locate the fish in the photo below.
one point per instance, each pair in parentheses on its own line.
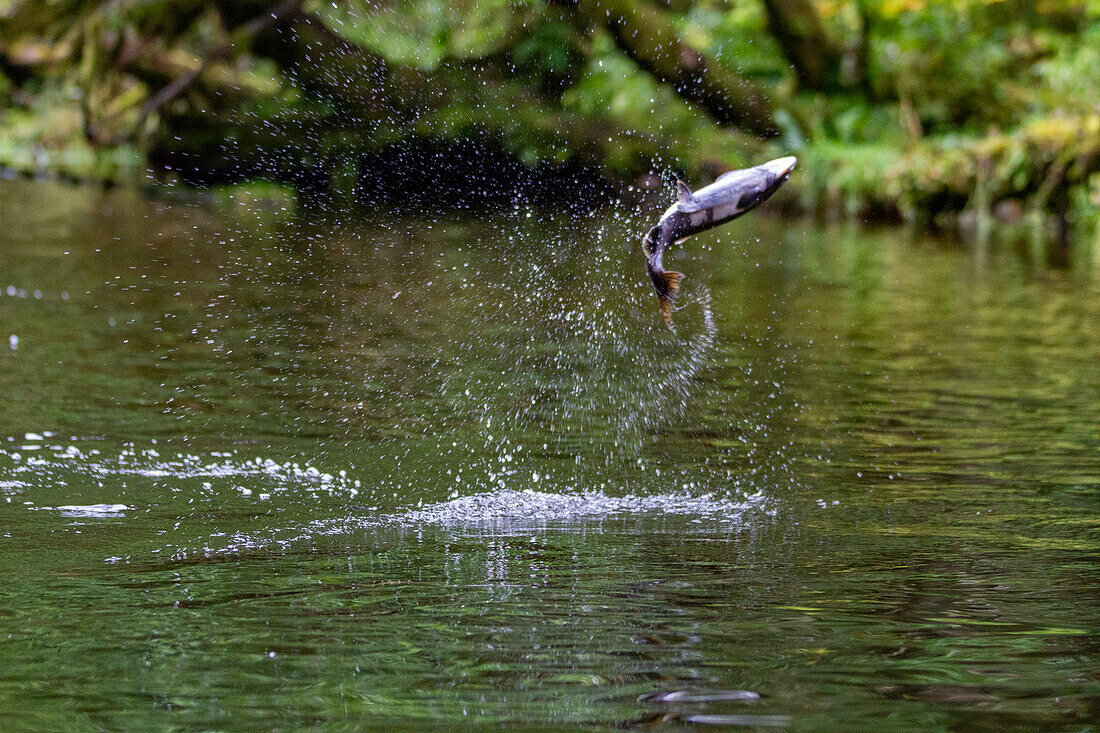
(733,194)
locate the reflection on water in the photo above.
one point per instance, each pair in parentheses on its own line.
(416,471)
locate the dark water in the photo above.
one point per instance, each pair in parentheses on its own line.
(263,471)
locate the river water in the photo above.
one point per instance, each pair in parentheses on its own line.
(271,470)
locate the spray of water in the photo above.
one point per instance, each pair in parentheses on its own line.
(506,368)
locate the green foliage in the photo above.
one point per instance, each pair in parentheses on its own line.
(965,103)
(956,65)
(1039,163)
(946,105)
(1068,80)
(648,118)
(43,136)
(736,34)
(424,33)
(549,54)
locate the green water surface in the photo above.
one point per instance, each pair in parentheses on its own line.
(277,470)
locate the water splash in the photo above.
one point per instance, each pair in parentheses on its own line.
(527,347)
(448,375)
(46,462)
(562,353)
(98,511)
(511,512)
(530,508)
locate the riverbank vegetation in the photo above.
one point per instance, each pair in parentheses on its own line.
(917,110)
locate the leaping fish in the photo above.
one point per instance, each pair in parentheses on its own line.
(732,195)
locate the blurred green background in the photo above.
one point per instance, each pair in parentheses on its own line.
(971,112)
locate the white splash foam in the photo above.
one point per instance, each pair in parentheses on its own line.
(536,507)
(557,506)
(516,512)
(149,463)
(90,510)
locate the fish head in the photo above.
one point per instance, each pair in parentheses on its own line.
(781,168)
(752,186)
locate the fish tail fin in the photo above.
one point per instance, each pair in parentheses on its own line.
(665,305)
(668,285)
(674,279)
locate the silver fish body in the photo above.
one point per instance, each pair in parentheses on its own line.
(732,195)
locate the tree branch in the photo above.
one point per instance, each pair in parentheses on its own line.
(797,28)
(645,34)
(175,87)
